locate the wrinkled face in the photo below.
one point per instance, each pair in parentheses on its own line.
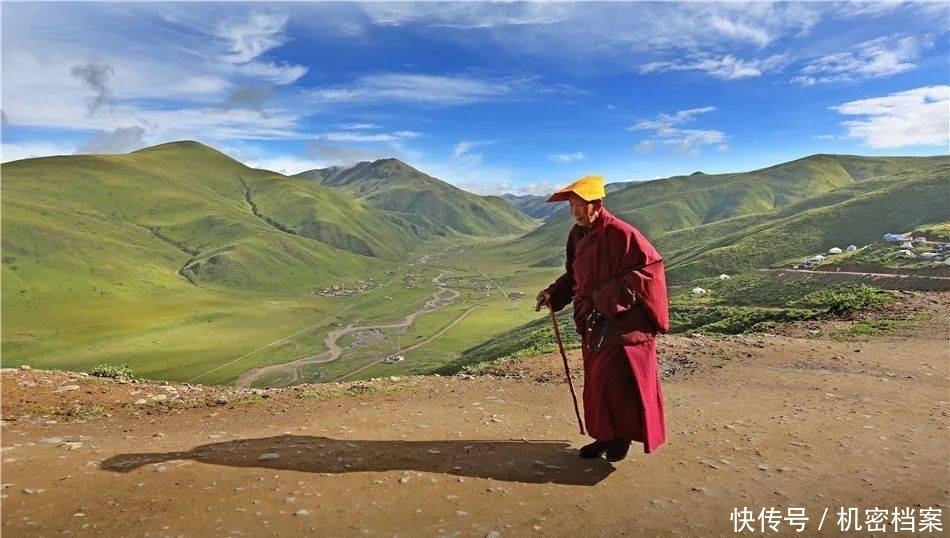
(584,212)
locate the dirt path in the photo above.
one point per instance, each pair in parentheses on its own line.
(400,351)
(476,269)
(808,419)
(852,273)
(896,281)
(439,300)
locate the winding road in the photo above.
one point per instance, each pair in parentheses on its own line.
(440,299)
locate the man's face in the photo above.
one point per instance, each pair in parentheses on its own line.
(584,212)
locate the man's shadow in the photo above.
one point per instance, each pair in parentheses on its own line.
(513,461)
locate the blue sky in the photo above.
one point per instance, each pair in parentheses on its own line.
(492,97)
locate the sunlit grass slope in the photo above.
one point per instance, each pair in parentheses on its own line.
(165,256)
(190,210)
(427,204)
(706,224)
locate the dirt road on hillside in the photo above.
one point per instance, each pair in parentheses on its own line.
(900,281)
(445,296)
(762,429)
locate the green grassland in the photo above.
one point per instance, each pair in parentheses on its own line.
(179,261)
(477,315)
(187,265)
(705,225)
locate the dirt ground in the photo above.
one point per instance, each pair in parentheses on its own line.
(762,429)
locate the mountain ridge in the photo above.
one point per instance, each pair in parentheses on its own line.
(424,202)
(671,206)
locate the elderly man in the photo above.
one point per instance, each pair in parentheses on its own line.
(617,282)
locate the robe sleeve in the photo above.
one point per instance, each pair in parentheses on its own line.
(562,290)
(640,279)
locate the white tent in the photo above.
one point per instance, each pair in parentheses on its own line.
(851,248)
(699,291)
(723,277)
(834,250)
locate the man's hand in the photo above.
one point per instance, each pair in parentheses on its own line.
(544,299)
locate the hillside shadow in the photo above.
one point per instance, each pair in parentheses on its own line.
(513,461)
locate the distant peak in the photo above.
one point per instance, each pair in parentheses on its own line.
(698,173)
(383,168)
(183,144)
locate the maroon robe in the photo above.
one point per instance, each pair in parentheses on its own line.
(612,267)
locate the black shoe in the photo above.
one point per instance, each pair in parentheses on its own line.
(594,450)
(617,449)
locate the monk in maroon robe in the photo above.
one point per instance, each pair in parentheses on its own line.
(617,282)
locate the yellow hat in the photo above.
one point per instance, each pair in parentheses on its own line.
(588,187)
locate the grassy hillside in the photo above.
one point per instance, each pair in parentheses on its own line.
(184,263)
(535,207)
(423,203)
(169,257)
(706,224)
(903,201)
(211,219)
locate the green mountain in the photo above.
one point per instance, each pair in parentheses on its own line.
(180,259)
(706,224)
(189,208)
(535,207)
(422,203)
(186,263)
(538,207)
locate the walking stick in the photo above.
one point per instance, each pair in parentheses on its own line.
(567,370)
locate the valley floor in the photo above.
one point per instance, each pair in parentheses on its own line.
(807,422)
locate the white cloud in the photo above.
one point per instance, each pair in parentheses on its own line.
(201,85)
(17,151)
(87,72)
(876,58)
(557,27)
(250,37)
(717,39)
(501,185)
(666,122)
(221,124)
(692,139)
(403,87)
(285,164)
(356,144)
(461,149)
(918,117)
(568,157)
(466,14)
(665,131)
(281,75)
(359,126)
(464,147)
(857,8)
(347,136)
(726,68)
(121,140)
(741,30)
